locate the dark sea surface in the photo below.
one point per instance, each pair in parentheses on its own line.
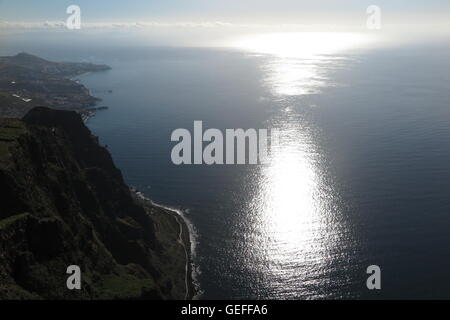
(361,177)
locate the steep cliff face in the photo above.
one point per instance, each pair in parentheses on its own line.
(65,203)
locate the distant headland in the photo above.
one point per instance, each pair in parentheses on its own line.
(27,81)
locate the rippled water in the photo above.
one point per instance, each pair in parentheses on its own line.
(360,177)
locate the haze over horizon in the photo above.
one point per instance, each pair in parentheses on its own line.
(203,23)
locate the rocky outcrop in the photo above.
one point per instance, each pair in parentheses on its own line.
(65,203)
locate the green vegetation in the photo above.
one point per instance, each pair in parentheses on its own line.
(10,130)
(124,285)
(4,149)
(167,226)
(10,220)
(63,203)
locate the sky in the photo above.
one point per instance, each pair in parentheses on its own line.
(209,19)
(233,11)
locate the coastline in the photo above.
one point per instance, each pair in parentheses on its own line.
(32,81)
(89,111)
(187,235)
(187,239)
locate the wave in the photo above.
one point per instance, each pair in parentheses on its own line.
(193,238)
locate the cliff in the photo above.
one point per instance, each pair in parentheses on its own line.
(65,203)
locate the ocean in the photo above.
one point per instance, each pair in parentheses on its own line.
(361,177)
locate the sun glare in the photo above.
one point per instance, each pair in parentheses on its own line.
(295,61)
(302,44)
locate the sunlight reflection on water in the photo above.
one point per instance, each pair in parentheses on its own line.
(298,61)
(296,219)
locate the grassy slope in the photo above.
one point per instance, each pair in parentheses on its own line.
(104,278)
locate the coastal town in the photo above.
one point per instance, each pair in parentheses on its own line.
(27,81)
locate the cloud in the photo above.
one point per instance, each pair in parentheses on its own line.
(100,25)
(143,25)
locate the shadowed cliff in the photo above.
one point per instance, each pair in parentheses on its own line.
(65,203)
